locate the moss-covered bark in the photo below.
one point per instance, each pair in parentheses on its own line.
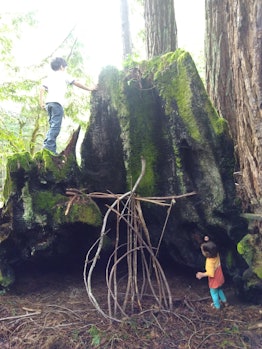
(249,248)
(159,109)
(35,207)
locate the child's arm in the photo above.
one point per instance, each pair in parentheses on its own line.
(200,275)
(210,269)
(82,86)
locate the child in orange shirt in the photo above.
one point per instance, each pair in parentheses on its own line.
(214,273)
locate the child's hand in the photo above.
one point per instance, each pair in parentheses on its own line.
(199,275)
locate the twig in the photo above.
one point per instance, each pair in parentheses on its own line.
(20,316)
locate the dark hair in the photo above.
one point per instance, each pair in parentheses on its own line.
(210,249)
(57,63)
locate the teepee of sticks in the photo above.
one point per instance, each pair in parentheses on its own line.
(144,277)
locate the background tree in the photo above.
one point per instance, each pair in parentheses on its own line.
(126,37)
(234,83)
(23,124)
(161,30)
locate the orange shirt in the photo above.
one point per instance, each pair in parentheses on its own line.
(211,265)
(214,272)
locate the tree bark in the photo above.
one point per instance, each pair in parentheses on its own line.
(161,31)
(234,83)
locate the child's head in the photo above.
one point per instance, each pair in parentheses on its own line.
(57,63)
(209,249)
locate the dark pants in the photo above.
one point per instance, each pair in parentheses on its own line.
(55,113)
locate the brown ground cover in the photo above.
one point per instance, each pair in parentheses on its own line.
(51,310)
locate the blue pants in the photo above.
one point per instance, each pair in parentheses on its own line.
(217,295)
(56,113)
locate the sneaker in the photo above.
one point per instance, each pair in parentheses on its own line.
(224,304)
(213,307)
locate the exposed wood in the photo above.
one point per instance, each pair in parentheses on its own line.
(71,146)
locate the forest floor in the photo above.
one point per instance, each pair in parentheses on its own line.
(51,310)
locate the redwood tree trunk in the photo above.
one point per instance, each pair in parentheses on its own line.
(234,83)
(161,31)
(126,37)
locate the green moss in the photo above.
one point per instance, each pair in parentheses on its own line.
(177,80)
(9,187)
(148,182)
(7,277)
(46,201)
(249,247)
(136,114)
(258,270)
(218,123)
(54,206)
(19,161)
(28,215)
(111,80)
(177,88)
(134,97)
(45,205)
(57,168)
(244,247)
(229,259)
(143,140)
(251,279)
(179,169)
(17,166)
(88,213)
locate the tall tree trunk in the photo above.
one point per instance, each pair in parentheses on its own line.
(126,38)
(234,83)
(161,31)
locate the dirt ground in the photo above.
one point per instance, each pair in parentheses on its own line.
(51,310)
